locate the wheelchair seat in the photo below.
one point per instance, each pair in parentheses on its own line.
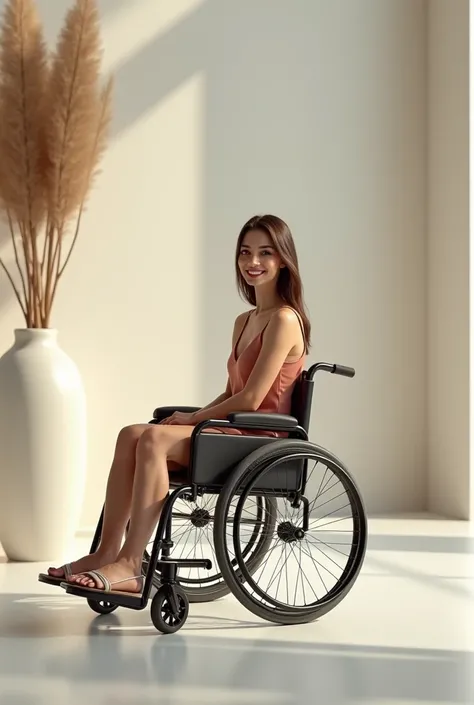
(214,455)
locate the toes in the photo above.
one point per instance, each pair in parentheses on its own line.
(83,580)
(56,572)
(76,579)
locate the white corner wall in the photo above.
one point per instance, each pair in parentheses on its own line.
(448,258)
(314,110)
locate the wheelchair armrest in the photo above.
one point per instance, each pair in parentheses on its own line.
(263,421)
(162,412)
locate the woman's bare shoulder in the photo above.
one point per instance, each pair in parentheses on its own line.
(286,323)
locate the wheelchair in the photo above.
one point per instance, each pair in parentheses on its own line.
(255,505)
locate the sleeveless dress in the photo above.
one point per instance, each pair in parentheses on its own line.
(278,398)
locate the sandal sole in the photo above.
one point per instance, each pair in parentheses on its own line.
(97,591)
(50,579)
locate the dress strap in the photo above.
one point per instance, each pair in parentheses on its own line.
(241,333)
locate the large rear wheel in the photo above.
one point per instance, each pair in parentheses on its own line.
(318,542)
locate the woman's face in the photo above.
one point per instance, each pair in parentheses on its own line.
(259,261)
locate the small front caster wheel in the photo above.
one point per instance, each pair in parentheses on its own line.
(101,607)
(166,616)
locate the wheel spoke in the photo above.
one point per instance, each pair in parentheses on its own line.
(298,568)
(314,541)
(191,539)
(316,563)
(305,577)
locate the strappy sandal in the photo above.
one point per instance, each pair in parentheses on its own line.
(107,589)
(56,579)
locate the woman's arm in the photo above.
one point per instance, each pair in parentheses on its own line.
(188,418)
(218,400)
(280,337)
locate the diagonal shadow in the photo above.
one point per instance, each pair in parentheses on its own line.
(164,63)
(441,584)
(421,544)
(241,48)
(111,7)
(33,616)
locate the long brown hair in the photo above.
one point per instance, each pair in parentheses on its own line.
(289,284)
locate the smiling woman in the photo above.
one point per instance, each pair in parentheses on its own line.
(266,254)
(268,352)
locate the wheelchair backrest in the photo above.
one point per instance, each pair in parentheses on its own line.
(301,400)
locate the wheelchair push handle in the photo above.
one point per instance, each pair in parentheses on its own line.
(342,370)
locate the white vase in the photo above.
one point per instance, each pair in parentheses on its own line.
(42,448)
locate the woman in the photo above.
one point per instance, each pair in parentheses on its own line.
(269,347)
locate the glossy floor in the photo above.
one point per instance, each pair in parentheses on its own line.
(404,635)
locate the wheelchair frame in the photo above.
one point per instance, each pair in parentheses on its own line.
(295,426)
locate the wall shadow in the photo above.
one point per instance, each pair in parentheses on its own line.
(264,167)
(421,544)
(111,7)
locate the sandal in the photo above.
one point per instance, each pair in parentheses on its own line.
(107,589)
(56,579)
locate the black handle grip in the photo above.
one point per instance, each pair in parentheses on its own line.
(344,371)
(330,367)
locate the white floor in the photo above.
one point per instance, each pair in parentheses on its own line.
(404,635)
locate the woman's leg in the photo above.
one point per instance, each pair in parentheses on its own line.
(157,446)
(118,501)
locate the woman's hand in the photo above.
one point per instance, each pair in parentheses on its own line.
(179,418)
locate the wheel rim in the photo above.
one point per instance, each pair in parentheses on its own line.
(304,568)
(166,611)
(102,606)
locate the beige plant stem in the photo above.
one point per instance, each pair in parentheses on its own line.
(54,128)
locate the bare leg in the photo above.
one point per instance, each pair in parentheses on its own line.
(118,501)
(157,446)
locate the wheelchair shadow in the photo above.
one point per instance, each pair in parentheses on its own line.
(36,616)
(271,670)
(60,637)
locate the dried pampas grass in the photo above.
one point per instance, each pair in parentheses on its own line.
(54,127)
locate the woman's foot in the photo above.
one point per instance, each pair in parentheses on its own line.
(122,576)
(89,562)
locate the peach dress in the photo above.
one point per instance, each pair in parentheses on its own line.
(278,398)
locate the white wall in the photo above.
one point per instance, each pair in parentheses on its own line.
(448,258)
(311,109)
(471,255)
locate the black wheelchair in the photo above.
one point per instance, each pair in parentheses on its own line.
(251,506)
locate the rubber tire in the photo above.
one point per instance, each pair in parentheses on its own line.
(247,470)
(215,592)
(101,607)
(157,603)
